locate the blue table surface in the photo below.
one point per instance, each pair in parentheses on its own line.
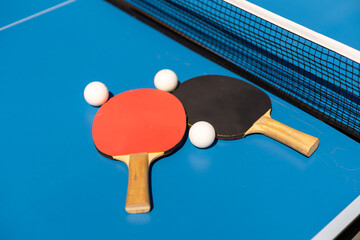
(55,185)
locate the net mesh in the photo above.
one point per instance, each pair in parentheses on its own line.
(315,78)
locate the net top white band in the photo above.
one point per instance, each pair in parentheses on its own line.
(302,31)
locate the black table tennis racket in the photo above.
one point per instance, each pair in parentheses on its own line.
(236,109)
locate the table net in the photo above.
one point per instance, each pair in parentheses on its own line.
(311,71)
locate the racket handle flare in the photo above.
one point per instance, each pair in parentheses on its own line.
(299,141)
(137,199)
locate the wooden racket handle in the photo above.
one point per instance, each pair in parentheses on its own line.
(137,199)
(299,141)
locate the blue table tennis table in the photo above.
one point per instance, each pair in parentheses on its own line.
(55,185)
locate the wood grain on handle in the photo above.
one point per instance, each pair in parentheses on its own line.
(299,141)
(137,199)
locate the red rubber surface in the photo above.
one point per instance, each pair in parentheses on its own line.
(136,121)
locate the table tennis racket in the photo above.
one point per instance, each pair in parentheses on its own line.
(236,109)
(137,127)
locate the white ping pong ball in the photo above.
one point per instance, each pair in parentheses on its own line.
(166,80)
(96,93)
(202,134)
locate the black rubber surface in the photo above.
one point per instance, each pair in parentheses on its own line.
(229,104)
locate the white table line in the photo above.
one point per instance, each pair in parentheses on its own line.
(37,14)
(340,222)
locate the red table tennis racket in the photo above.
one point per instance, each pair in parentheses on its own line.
(236,108)
(137,127)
